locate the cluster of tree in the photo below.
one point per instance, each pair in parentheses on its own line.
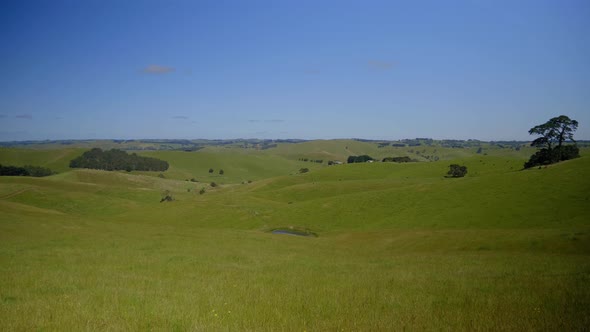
(26,170)
(266,146)
(359,159)
(458,144)
(554,133)
(117,160)
(211,170)
(432,158)
(319,161)
(404,159)
(457,171)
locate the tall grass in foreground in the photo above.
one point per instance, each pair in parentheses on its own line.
(399,248)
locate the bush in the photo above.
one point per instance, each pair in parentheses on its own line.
(303,170)
(210,170)
(457,171)
(550,156)
(202,191)
(213,184)
(221,172)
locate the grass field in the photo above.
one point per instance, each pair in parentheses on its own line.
(399,246)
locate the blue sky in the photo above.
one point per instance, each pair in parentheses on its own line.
(482,69)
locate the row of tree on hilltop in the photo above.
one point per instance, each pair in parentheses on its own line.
(27,170)
(117,160)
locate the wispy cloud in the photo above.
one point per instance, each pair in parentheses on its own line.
(311,71)
(24,116)
(380,65)
(157,69)
(180,117)
(266,121)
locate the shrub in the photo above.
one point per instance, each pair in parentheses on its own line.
(213,184)
(304,170)
(167,198)
(457,171)
(550,156)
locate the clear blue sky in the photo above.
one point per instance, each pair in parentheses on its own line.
(482,69)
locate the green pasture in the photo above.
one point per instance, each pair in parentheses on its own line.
(399,246)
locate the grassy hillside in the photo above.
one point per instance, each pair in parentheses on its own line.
(56,159)
(341,149)
(238,165)
(399,247)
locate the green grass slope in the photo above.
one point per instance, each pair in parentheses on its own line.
(238,165)
(56,159)
(400,247)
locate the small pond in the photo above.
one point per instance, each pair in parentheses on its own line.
(296,232)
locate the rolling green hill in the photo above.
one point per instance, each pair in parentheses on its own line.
(56,159)
(238,165)
(399,246)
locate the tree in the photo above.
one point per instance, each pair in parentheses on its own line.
(210,170)
(220,172)
(556,130)
(553,134)
(457,171)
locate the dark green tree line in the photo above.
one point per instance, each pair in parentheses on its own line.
(117,160)
(26,170)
